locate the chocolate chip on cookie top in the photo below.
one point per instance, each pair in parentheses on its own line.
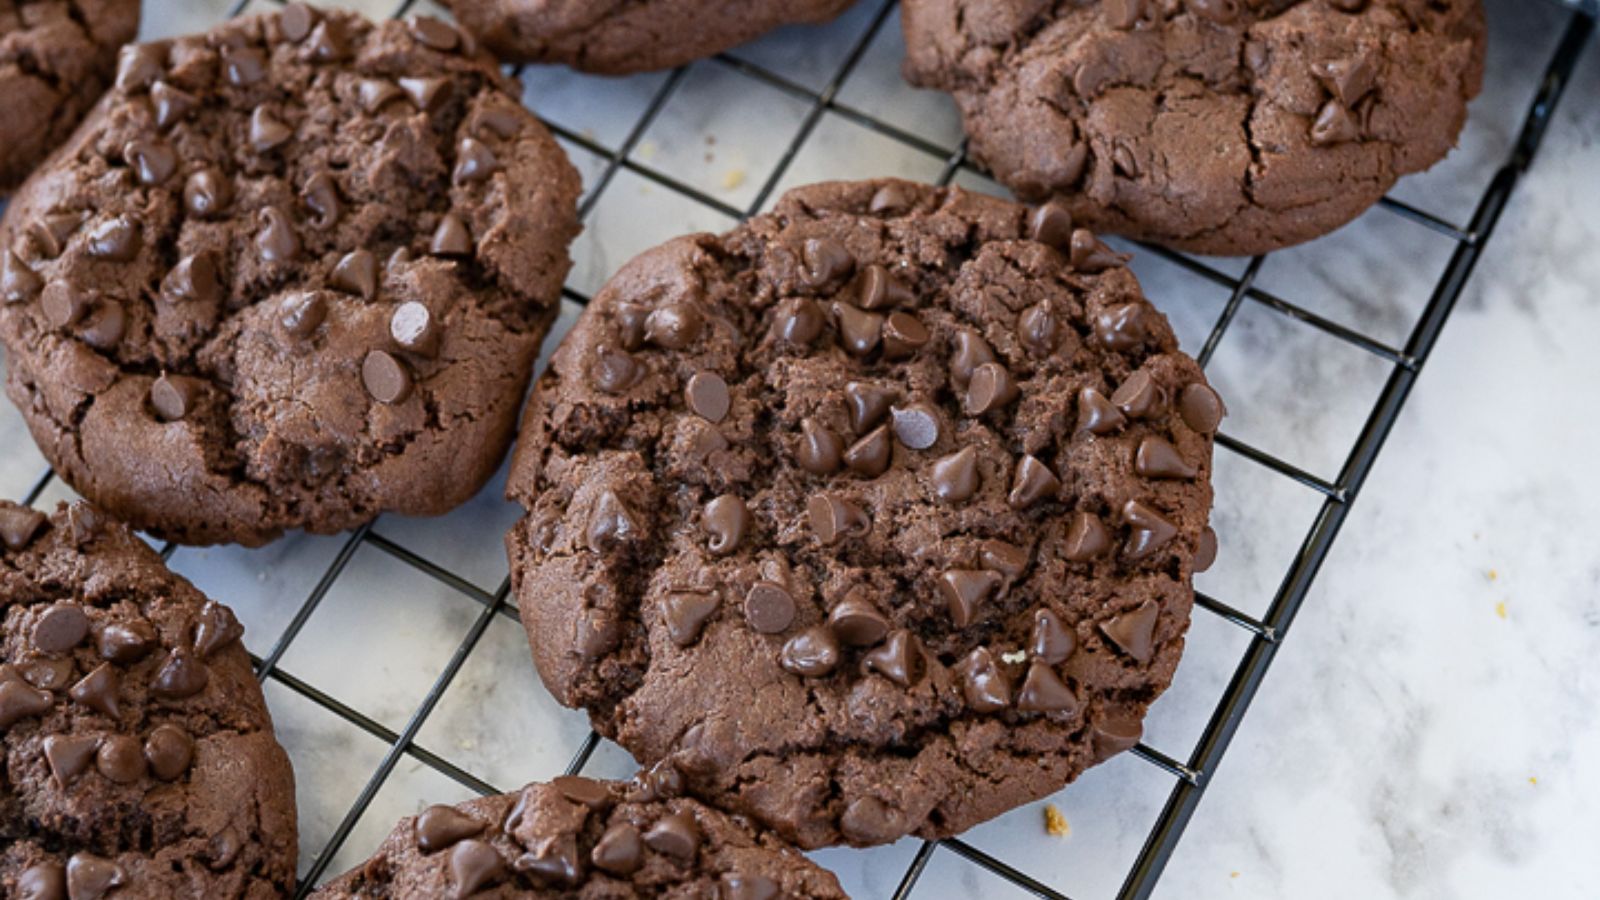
(876,515)
(1212,125)
(291,273)
(141,759)
(577,837)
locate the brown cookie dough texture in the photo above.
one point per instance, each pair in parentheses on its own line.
(56,58)
(291,273)
(140,760)
(615,37)
(875,516)
(1218,126)
(579,838)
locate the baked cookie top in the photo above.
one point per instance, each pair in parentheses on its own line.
(1218,126)
(291,273)
(56,57)
(580,838)
(615,37)
(875,515)
(139,753)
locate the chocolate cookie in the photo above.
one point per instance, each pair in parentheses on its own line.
(1218,126)
(614,37)
(876,515)
(289,274)
(56,58)
(580,838)
(140,760)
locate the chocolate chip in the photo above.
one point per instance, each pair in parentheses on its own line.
(267,131)
(1121,327)
(798,320)
(813,653)
(475,162)
(554,859)
(386,378)
(206,192)
(243,66)
(321,195)
(868,404)
(63,304)
(891,199)
(139,65)
(870,456)
(964,590)
(610,523)
(1044,691)
(223,848)
(502,120)
(1205,552)
(47,674)
(276,241)
(971,352)
(747,887)
(116,239)
(1140,396)
(1201,408)
(1038,329)
(83,522)
(879,289)
(706,395)
(769,608)
(121,759)
(833,518)
(180,675)
(427,93)
(675,835)
(20,700)
(1334,125)
(373,93)
(106,326)
(433,33)
(1220,11)
(820,451)
(619,851)
(1007,559)
(1157,458)
(356,273)
(89,877)
(1114,734)
(413,328)
(824,261)
(1098,415)
(215,628)
(1090,255)
(152,160)
(1032,482)
(685,614)
(989,388)
(18,283)
(859,331)
(61,627)
(327,42)
(857,622)
(441,827)
(172,104)
(1087,537)
(125,643)
(613,371)
(69,756)
(1348,80)
(169,750)
(1133,632)
(19,525)
(1051,225)
(899,659)
(301,314)
(1151,530)
(98,690)
(1122,14)
(451,238)
(173,397)
(726,519)
(296,22)
(986,687)
(585,791)
(1052,642)
(955,477)
(193,280)
(474,865)
(903,335)
(916,426)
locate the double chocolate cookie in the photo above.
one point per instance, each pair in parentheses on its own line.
(580,838)
(1218,126)
(874,516)
(289,274)
(615,37)
(56,58)
(140,760)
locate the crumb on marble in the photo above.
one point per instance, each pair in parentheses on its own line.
(1533,780)
(1055,823)
(732,179)
(1494,575)
(647,150)
(1500,609)
(1234,874)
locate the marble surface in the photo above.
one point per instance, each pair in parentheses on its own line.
(1424,732)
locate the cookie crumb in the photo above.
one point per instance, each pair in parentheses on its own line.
(1493,575)
(1500,609)
(1055,823)
(732,179)
(1533,780)
(647,150)
(1233,874)
(1016,656)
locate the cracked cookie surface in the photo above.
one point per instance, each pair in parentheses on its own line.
(140,758)
(582,839)
(875,516)
(615,37)
(56,57)
(1218,126)
(291,273)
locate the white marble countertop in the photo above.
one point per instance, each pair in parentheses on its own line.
(1426,727)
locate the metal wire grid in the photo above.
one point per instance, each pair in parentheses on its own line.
(1266,634)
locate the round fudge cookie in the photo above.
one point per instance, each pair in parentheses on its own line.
(580,838)
(56,58)
(1216,126)
(876,515)
(615,37)
(289,274)
(140,760)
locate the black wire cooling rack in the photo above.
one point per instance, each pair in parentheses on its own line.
(1266,633)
